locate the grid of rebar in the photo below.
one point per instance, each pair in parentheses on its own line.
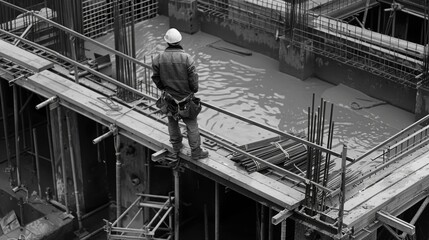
(389,57)
(98,17)
(268,15)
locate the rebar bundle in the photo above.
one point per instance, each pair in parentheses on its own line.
(285,152)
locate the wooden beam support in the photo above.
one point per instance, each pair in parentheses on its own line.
(159,155)
(395,222)
(281,216)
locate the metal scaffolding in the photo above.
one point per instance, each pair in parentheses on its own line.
(159,227)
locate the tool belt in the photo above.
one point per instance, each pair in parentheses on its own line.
(188,107)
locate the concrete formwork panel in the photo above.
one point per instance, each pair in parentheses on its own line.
(296,61)
(375,86)
(244,36)
(183,15)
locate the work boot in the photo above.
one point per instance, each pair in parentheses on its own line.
(177,147)
(201,154)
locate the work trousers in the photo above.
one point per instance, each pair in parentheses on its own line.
(193,132)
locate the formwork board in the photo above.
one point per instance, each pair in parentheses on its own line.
(147,130)
(24,58)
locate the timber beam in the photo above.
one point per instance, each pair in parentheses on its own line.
(390,220)
(281,216)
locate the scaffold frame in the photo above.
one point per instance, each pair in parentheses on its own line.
(152,229)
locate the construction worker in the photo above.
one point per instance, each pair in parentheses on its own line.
(174,73)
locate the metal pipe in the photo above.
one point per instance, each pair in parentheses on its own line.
(86,215)
(283,230)
(382,144)
(36,153)
(217,211)
(270,225)
(92,233)
(73,166)
(206,223)
(51,155)
(126,211)
(343,191)
(46,102)
(262,234)
(21,113)
(6,130)
(16,120)
(161,220)
(63,161)
(118,177)
(176,204)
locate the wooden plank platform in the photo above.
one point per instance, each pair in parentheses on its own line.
(154,134)
(389,193)
(24,58)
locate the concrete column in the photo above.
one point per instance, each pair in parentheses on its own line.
(183,15)
(294,60)
(422,102)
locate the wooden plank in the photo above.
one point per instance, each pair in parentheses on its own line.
(259,184)
(24,58)
(391,198)
(157,133)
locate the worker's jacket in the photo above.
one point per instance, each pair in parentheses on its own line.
(174,72)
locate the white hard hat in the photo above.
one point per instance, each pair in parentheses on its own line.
(172,36)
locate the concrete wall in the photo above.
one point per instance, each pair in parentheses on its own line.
(183,15)
(296,61)
(163,7)
(240,35)
(375,86)
(422,102)
(302,63)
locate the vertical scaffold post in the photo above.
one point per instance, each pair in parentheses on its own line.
(283,230)
(73,165)
(176,203)
(16,120)
(343,190)
(36,154)
(63,160)
(118,176)
(216,211)
(6,132)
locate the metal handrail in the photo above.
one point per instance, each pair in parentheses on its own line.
(395,136)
